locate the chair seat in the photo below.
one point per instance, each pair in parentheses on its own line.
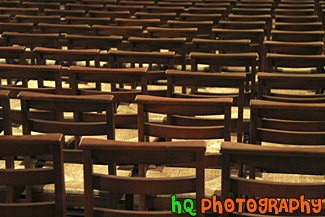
(212,179)
(74,181)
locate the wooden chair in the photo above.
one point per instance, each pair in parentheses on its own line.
(244,25)
(204,27)
(274,61)
(82,29)
(157,32)
(215,18)
(255,10)
(145,3)
(12,54)
(31,146)
(275,86)
(109,14)
(131,8)
(64,13)
(157,61)
(125,31)
(208,10)
(41,5)
(88,20)
(233,82)
(104,2)
(286,123)
(313,26)
(216,62)
(162,9)
(137,22)
(37,19)
(297,36)
(156,44)
(301,48)
(255,35)
(17,27)
(9,4)
(79,105)
(68,56)
(31,40)
(86,7)
(294,12)
(273,161)
(264,17)
(222,46)
(175,4)
(162,16)
(182,121)
(157,153)
(6,118)
(296,19)
(93,42)
(112,76)
(18,11)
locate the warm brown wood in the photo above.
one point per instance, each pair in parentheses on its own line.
(156,32)
(86,7)
(273,81)
(49,144)
(137,22)
(18,11)
(88,20)
(164,9)
(65,13)
(204,27)
(294,61)
(37,19)
(112,76)
(6,118)
(156,44)
(162,16)
(215,18)
(125,31)
(61,55)
(41,5)
(304,161)
(287,123)
(64,28)
(297,36)
(93,42)
(109,14)
(31,40)
(312,26)
(142,153)
(10,53)
(224,80)
(16,27)
(216,63)
(182,122)
(222,46)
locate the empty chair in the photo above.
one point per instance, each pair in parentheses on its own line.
(31,40)
(244,25)
(156,32)
(41,5)
(20,11)
(82,29)
(297,36)
(110,14)
(255,10)
(301,48)
(164,9)
(12,54)
(216,62)
(125,31)
(86,7)
(14,4)
(233,82)
(127,2)
(294,12)
(204,27)
(222,46)
(64,13)
(137,22)
(102,76)
(313,26)
(17,27)
(185,119)
(93,42)
(286,123)
(296,19)
(131,8)
(6,117)
(31,146)
(88,20)
(69,56)
(162,16)
(156,44)
(215,18)
(274,61)
(37,19)
(299,88)
(158,153)
(292,171)
(208,10)
(176,4)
